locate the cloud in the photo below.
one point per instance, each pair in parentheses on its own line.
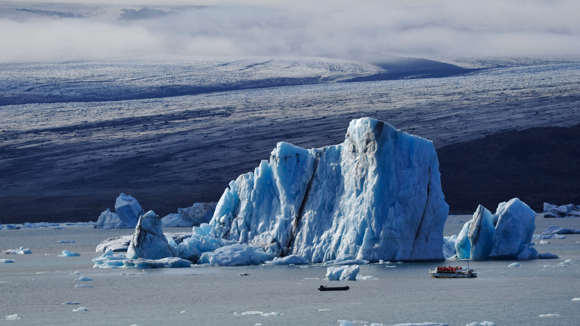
(443,28)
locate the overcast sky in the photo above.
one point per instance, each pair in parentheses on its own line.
(297,28)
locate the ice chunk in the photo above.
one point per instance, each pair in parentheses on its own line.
(84,279)
(170,262)
(260,313)
(345,323)
(553,229)
(514,265)
(544,242)
(576,299)
(20,251)
(65,241)
(12,317)
(83,286)
(483,323)
(190,216)
(235,255)
(127,213)
(342,273)
(569,210)
(148,241)
(547,255)
(505,235)
(292,259)
(481,234)
(71,303)
(80,309)
(550,315)
(365,277)
(347,262)
(6,260)
(66,253)
(548,236)
(375,196)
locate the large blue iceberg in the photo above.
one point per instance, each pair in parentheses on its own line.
(377,196)
(507,234)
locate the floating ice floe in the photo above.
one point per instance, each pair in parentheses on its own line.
(27,225)
(390,266)
(514,265)
(552,211)
(507,234)
(84,279)
(71,303)
(342,273)
(576,299)
(127,212)
(20,251)
(110,260)
(550,315)
(12,317)
(548,236)
(544,242)
(6,261)
(292,259)
(483,323)
(259,313)
(80,309)
(66,253)
(65,241)
(190,216)
(553,229)
(83,286)
(365,277)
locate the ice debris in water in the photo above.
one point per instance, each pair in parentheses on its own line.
(544,242)
(324,309)
(550,315)
(80,309)
(65,241)
(127,213)
(302,201)
(236,255)
(83,286)
(553,229)
(507,234)
(260,313)
(83,279)
(76,273)
(365,277)
(66,253)
(576,299)
(292,259)
(569,210)
(548,236)
(12,317)
(348,261)
(348,323)
(20,251)
(342,273)
(483,323)
(71,303)
(190,216)
(6,261)
(514,265)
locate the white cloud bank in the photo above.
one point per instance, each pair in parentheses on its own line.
(445,28)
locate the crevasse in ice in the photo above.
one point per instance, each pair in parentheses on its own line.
(375,196)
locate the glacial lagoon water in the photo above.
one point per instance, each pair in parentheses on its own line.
(35,287)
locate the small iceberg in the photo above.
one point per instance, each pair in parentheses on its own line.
(365,277)
(191,216)
(80,309)
(292,259)
(71,303)
(66,253)
(554,211)
(83,279)
(514,265)
(12,317)
(83,286)
(127,213)
(7,261)
(342,273)
(65,241)
(20,251)
(550,315)
(259,313)
(553,229)
(576,299)
(483,323)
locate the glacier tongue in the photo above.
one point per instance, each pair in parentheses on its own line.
(375,196)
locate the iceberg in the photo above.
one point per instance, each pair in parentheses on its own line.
(148,241)
(553,229)
(375,196)
(66,253)
(342,273)
(548,236)
(553,211)
(20,251)
(288,260)
(110,260)
(449,246)
(191,216)
(507,234)
(7,261)
(235,255)
(127,214)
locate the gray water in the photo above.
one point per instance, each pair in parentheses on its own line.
(36,285)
